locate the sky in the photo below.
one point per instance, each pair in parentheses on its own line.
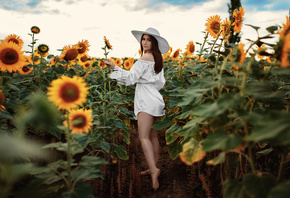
(66,22)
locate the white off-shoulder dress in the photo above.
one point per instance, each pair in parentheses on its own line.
(148,83)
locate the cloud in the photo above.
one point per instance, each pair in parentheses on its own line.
(263,5)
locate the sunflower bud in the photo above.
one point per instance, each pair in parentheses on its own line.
(42,48)
(35,29)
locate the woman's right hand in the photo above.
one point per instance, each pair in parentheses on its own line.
(109,63)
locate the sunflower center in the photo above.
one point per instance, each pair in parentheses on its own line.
(84,58)
(81,121)
(191,49)
(69,92)
(14,40)
(9,56)
(87,65)
(216,27)
(82,48)
(71,54)
(25,69)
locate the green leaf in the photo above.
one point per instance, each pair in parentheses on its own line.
(255,27)
(272,29)
(218,160)
(280,191)
(169,138)
(120,150)
(162,124)
(120,125)
(105,146)
(271,125)
(220,140)
(76,148)
(191,152)
(232,188)
(91,161)
(258,186)
(174,149)
(126,137)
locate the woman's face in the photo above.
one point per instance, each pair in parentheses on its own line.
(146,43)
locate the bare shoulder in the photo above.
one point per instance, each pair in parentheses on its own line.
(148,57)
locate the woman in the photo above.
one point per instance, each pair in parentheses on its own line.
(149,106)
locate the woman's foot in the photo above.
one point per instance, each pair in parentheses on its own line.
(154,176)
(146,172)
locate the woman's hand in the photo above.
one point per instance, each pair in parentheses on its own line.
(109,63)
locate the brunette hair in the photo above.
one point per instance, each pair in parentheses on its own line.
(156,54)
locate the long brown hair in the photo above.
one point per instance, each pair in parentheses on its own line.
(156,53)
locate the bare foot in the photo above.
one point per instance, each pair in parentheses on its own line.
(154,177)
(146,172)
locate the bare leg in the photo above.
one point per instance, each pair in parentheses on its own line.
(145,122)
(156,147)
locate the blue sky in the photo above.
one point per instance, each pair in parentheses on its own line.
(65,22)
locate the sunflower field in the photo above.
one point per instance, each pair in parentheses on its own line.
(66,126)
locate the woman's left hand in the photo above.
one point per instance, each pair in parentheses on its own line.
(109,63)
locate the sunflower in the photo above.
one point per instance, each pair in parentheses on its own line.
(15,39)
(107,43)
(175,55)
(54,60)
(83,58)
(226,23)
(35,29)
(167,54)
(11,56)
(36,58)
(68,93)
(213,25)
(2,98)
(102,64)
(131,59)
(43,49)
(83,46)
(69,53)
(25,70)
(190,48)
(239,17)
(127,64)
(118,62)
(140,52)
(87,64)
(285,54)
(80,120)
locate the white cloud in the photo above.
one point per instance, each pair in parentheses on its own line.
(66,22)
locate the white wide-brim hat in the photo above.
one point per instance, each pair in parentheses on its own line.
(162,43)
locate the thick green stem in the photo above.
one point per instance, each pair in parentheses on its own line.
(201,50)
(69,156)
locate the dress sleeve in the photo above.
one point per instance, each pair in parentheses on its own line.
(128,77)
(159,84)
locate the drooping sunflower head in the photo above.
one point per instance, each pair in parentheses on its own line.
(15,39)
(118,62)
(80,121)
(285,52)
(238,55)
(127,64)
(239,17)
(69,53)
(286,28)
(213,25)
(11,56)
(68,93)
(190,47)
(107,43)
(35,29)
(176,54)
(83,46)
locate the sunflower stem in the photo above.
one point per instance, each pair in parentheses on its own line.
(205,39)
(69,155)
